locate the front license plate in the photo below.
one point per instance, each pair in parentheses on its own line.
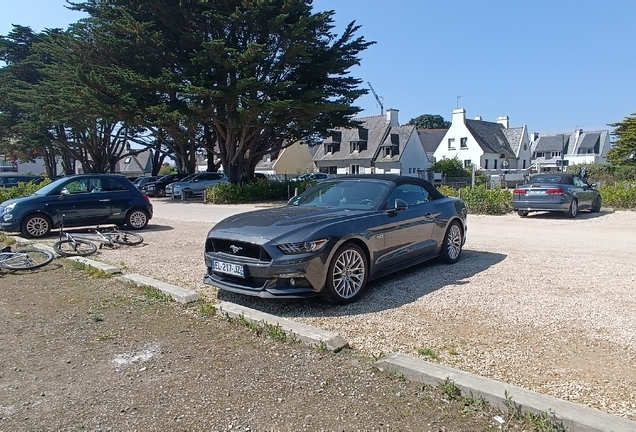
(229,268)
(536,192)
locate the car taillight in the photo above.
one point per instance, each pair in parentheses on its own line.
(554,192)
(146,198)
(519,192)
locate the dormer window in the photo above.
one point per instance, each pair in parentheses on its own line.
(332,147)
(357,146)
(395,139)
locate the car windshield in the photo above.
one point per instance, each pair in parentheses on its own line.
(556,179)
(344,194)
(188,178)
(50,187)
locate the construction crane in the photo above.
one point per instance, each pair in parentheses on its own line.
(376,98)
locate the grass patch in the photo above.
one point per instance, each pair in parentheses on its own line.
(106,336)
(90,271)
(449,388)
(273,332)
(154,294)
(97,318)
(206,309)
(427,352)
(276,333)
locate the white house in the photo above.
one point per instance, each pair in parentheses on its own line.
(379,145)
(490,146)
(580,147)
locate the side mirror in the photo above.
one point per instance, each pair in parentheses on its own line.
(398,205)
(64,193)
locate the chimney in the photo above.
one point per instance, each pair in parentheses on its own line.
(392,117)
(534,136)
(577,135)
(478,118)
(503,120)
(459,116)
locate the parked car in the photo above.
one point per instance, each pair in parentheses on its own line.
(141,181)
(158,188)
(88,199)
(311,176)
(11,179)
(556,192)
(334,238)
(196,184)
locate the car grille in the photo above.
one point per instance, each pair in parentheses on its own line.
(237,248)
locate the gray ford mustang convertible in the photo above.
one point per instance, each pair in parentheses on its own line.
(334,238)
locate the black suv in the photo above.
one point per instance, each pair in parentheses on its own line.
(88,199)
(158,188)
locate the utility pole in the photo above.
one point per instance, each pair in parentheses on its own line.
(377,98)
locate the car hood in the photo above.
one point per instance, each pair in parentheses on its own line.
(19,200)
(288,223)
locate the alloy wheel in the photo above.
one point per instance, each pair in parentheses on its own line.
(454,242)
(349,273)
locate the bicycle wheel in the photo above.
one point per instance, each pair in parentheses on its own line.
(27,259)
(74,247)
(124,238)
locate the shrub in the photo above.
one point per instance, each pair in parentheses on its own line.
(226,193)
(22,189)
(620,195)
(480,200)
(604,174)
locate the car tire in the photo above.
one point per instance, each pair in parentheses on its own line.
(161,192)
(187,194)
(596,205)
(452,245)
(523,213)
(347,275)
(573,211)
(36,226)
(137,219)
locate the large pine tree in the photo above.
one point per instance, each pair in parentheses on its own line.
(624,150)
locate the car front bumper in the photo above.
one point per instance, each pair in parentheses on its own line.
(288,276)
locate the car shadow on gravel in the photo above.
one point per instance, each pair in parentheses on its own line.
(556,215)
(382,294)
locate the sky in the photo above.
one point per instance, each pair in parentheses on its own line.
(553,65)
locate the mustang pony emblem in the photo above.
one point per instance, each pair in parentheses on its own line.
(235,249)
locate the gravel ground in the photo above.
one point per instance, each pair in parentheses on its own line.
(78,353)
(543,302)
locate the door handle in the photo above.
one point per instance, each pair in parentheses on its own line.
(428,215)
(104,200)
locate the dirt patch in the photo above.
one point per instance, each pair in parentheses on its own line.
(97,354)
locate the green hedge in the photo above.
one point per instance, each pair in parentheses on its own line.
(620,195)
(603,174)
(22,189)
(227,193)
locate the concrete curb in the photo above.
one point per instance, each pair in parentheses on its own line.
(106,268)
(307,334)
(575,417)
(179,294)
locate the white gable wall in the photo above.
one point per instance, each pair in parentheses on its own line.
(457,131)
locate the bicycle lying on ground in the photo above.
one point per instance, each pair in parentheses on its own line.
(25,259)
(78,245)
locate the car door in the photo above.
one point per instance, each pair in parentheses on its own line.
(583,192)
(408,233)
(115,192)
(80,202)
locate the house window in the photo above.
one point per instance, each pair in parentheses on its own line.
(494,164)
(467,163)
(485,163)
(524,164)
(538,154)
(451,143)
(127,160)
(463,143)
(358,146)
(556,153)
(332,148)
(355,169)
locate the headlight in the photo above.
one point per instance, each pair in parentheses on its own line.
(303,247)
(8,208)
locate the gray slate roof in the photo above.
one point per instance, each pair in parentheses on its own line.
(431,138)
(377,126)
(403,133)
(557,142)
(589,140)
(141,162)
(514,136)
(491,137)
